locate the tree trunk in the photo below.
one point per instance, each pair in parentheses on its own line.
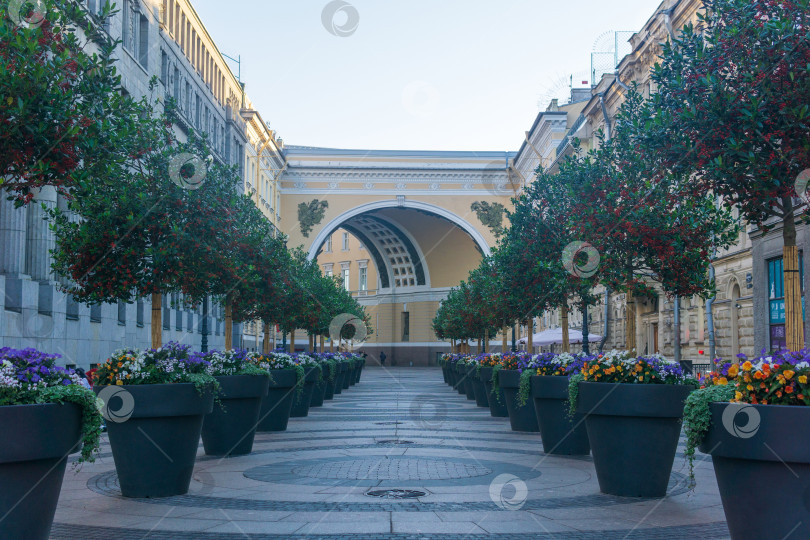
(156,324)
(321,342)
(676,328)
(794,319)
(566,345)
(228,324)
(486,339)
(505,343)
(292,341)
(331,344)
(530,335)
(478,347)
(586,344)
(266,344)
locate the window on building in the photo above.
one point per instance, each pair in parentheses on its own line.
(363,279)
(345,241)
(128,26)
(776,300)
(122,313)
(406,326)
(176,85)
(197,110)
(139,314)
(346,282)
(71,309)
(143,40)
(328,247)
(164,69)
(95,313)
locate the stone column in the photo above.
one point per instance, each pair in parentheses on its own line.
(40,239)
(13,224)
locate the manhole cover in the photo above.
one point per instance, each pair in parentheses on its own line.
(396,493)
(391,469)
(389,423)
(394,441)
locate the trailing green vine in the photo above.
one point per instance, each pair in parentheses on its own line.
(573,393)
(697,419)
(91,419)
(496,389)
(525,387)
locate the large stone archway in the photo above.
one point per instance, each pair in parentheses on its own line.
(416,218)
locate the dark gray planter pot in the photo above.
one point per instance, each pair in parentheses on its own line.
(347,380)
(340,378)
(302,400)
(155,449)
(319,391)
(479,389)
(561,434)
(329,391)
(358,371)
(521,418)
(444,373)
(761,456)
(277,404)
(497,401)
(36,443)
(461,377)
(633,430)
(469,389)
(230,428)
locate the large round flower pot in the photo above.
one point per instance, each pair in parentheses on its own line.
(348,378)
(37,440)
(561,433)
(301,401)
(277,404)
(461,377)
(479,390)
(521,418)
(497,401)
(633,430)
(469,389)
(761,457)
(340,378)
(230,428)
(319,391)
(155,448)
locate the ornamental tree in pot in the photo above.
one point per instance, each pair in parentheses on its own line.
(506,376)
(46,414)
(545,383)
(287,384)
(312,376)
(625,400)
(495,396)
(154,402)
(753,418)
(230,428)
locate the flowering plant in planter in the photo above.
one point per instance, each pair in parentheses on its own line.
(329,361)
(29,377)
(549,364)
(512,361)
(308,361)
(282,360)
(172,363)
(233,362)
(781,378)
(624,367)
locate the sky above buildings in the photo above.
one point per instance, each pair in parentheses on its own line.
(412,74)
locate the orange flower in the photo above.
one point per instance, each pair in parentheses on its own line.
(788,373)
(747,366)
(788,389)
(733,370)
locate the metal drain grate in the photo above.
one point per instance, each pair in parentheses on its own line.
(394,441)
(396,493)
(389,423)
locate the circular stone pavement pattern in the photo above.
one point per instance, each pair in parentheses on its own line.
(479,479)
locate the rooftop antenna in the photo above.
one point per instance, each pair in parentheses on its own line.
(238,61)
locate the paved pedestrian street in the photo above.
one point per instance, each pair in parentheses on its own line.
(399,455)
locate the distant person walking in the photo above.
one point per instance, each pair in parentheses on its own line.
(382,358)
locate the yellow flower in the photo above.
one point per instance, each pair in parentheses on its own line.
(722,381)
(749,387)
(733,370)
(738,395)
(803,379)
(119,382)
(747,366)
(788,374)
